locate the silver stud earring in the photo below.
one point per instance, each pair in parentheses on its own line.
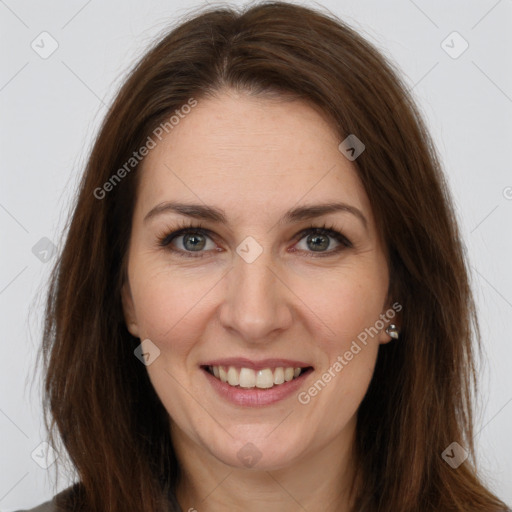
(393,331)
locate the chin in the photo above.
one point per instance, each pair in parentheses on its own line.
(259,452)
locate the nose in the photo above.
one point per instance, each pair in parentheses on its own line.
(257,304)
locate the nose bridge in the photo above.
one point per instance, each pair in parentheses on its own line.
(255,303)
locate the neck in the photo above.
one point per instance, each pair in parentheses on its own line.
(319,480)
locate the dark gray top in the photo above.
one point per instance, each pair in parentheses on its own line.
(47,506)
(51,505)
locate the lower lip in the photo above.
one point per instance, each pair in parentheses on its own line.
(255,397)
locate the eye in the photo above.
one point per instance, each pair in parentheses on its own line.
(316,239)
(189,241)
(186,240)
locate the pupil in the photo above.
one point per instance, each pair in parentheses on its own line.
(318,238)
(195,240)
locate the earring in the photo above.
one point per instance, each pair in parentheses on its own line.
(393,331)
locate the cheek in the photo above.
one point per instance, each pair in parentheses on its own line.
(349,304)
(169,303)
(338,389)
(345,303)
(171,310)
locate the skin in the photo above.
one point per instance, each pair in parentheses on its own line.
(256,158)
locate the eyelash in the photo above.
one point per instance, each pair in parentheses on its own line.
(187,228)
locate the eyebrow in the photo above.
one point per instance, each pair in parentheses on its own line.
(213,214)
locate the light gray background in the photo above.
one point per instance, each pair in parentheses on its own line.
(51,109)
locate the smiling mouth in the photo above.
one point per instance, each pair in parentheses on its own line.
(247,378)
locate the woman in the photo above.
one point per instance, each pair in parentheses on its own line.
(262,302)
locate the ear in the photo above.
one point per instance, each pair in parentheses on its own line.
(129,309)
(391,315)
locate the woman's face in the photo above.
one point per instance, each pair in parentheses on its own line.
(255,293)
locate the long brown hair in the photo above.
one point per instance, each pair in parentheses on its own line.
(98,396)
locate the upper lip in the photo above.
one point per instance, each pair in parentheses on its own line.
(241,362)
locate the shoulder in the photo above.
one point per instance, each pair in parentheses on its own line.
(47,506)
(61,502)
(71,500)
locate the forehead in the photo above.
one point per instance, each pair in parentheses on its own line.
(251,155)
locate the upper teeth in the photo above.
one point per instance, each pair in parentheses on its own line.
(249,378)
